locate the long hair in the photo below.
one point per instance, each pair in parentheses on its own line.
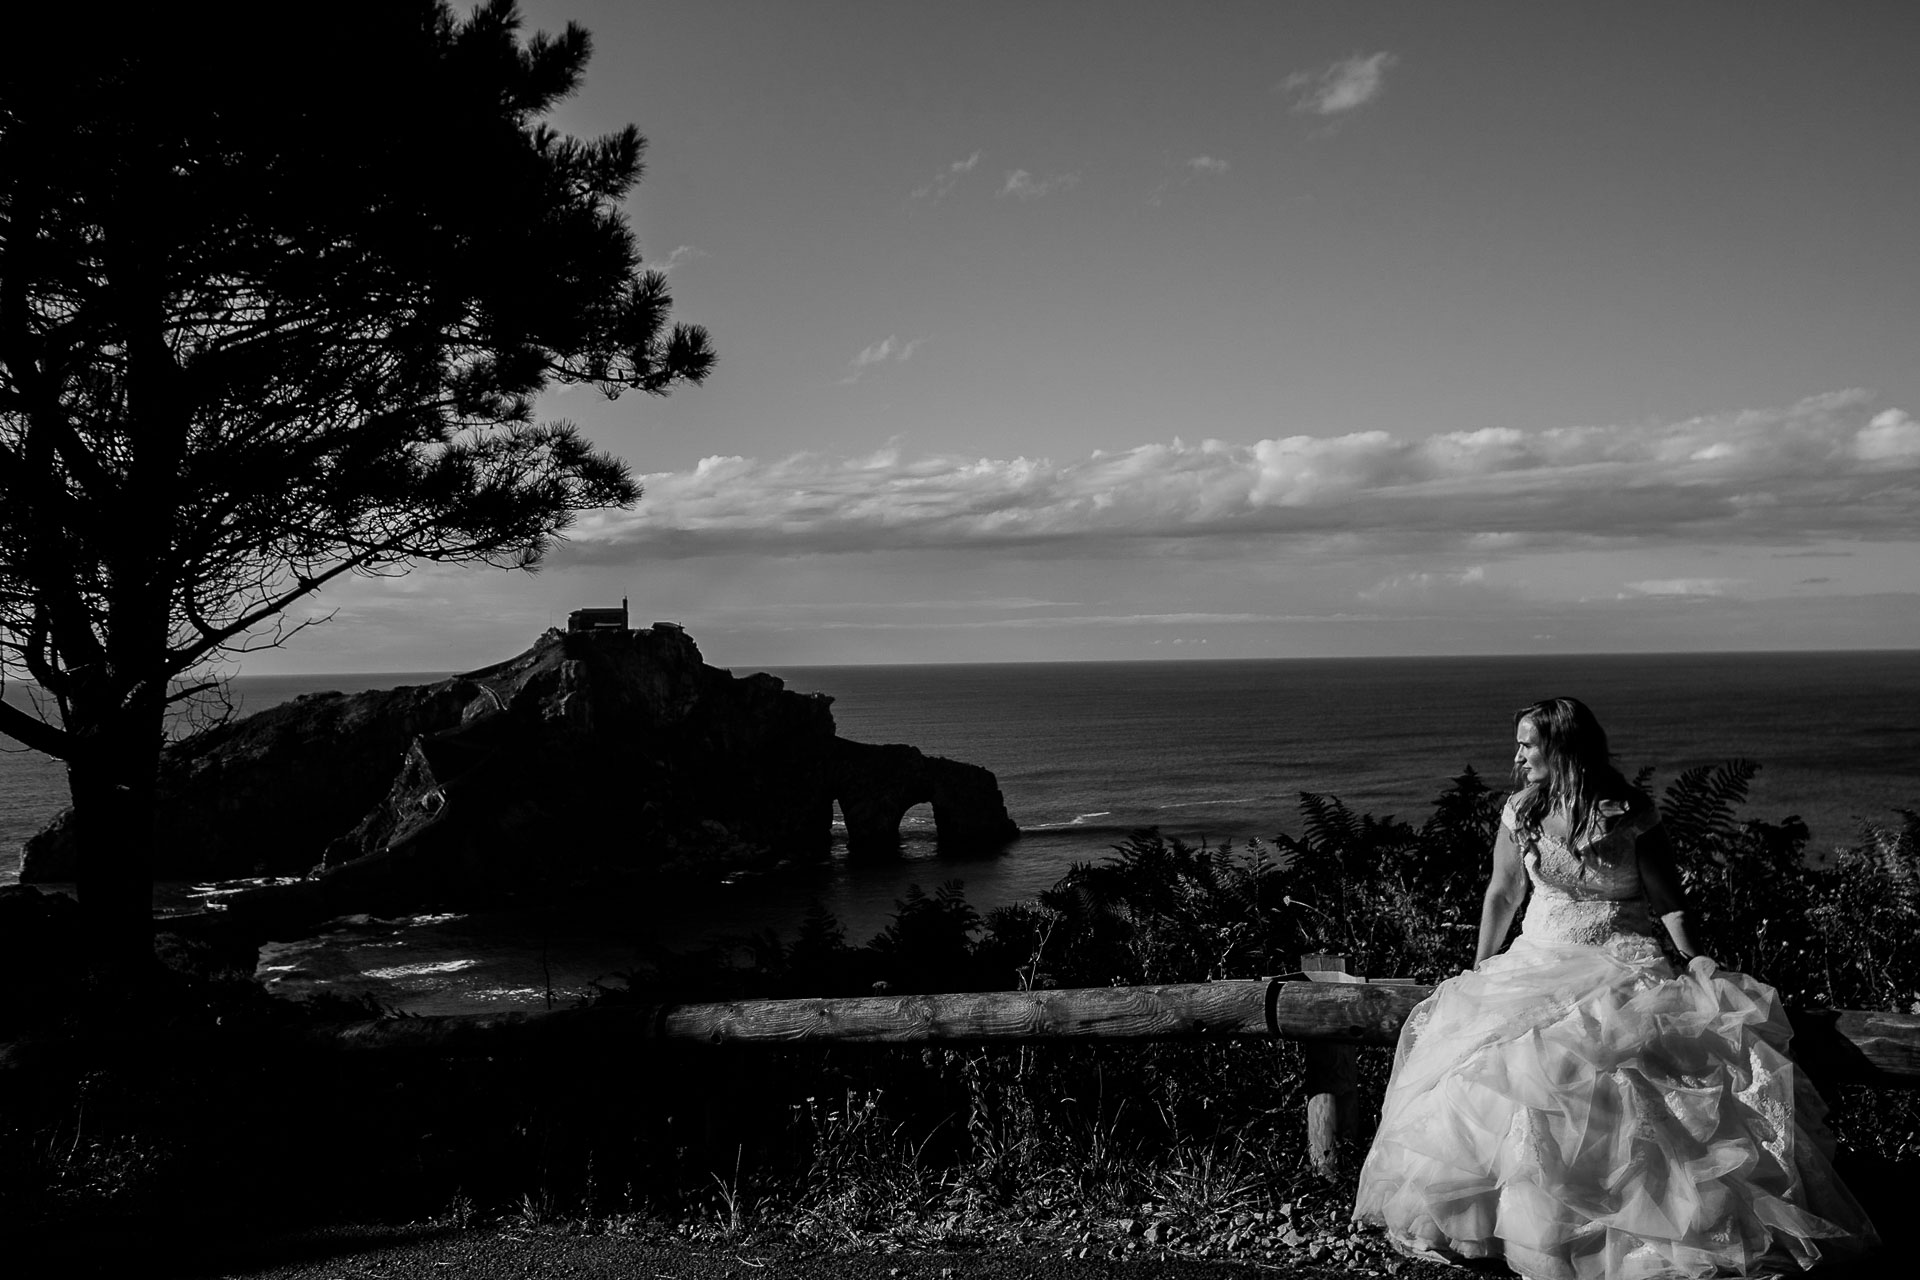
(1580,770)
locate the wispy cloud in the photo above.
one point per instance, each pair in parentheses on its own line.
(937,188)
(1426,588)
(1344,85)
(889,350)
(1022,185)
(1829,466)
(952,604)
(1074,621)
(1683,586)
(680,257)
(1192,169)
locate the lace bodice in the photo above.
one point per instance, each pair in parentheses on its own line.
(1587,891)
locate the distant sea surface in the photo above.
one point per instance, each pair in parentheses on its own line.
(1088,752)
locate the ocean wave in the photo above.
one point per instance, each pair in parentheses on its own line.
(1078,821)
(363,920)
(224,888)
(1108,833)
(426,968)
(523,996)
(1161,815)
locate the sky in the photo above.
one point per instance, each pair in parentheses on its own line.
(1065,331)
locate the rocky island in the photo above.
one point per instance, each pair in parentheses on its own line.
(602,756)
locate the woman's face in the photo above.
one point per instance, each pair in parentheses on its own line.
(1528,753)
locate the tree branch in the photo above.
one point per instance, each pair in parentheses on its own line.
(32,731)
(303,586)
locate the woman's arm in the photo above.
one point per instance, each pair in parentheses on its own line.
(1664,894)
(1506,890)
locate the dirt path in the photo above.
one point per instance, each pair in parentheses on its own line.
(440,1252)
(497,1253)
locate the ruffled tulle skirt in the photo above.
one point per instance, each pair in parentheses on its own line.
(1583,1112)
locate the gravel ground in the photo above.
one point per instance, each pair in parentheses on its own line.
(420,1252)
(440,1251)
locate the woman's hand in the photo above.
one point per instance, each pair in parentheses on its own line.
(1702,967)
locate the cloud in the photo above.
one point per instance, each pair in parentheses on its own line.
(1818,469)
(1185,172)
(1346,84)
(1024,186)
(1890,437)
(1058,622)
(680,257)
(888,350)
(1683,586)
(1430,588)
(936,188)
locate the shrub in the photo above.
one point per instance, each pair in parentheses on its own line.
(932,1142)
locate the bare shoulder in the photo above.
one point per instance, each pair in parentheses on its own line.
(1510,812)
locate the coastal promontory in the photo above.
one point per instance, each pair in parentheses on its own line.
(602,754)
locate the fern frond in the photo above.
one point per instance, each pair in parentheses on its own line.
(1698,807)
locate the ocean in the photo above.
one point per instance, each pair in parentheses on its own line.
(1088,752)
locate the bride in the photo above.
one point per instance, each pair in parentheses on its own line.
(1572,1105)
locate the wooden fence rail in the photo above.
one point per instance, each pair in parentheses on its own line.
(1326,1009)
(1841,1045)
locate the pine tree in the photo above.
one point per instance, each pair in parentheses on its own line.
(278,287)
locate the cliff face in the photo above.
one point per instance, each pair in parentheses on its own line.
(592,757)
(596,755)
(263,795)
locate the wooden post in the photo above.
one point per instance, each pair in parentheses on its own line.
(1333,1078)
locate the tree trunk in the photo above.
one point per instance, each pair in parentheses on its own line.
(112,777)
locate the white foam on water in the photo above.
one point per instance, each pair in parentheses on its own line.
(210,893)
(422,970)
(1078,820)
(526,995)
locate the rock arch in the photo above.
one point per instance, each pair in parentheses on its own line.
(876,783)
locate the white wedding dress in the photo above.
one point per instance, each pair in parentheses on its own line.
(1574,1107)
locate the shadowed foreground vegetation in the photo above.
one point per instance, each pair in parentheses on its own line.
(207,1112)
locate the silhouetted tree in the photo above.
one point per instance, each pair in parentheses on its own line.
(277,288)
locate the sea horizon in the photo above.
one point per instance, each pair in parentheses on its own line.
(1184,659)
(857,700)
